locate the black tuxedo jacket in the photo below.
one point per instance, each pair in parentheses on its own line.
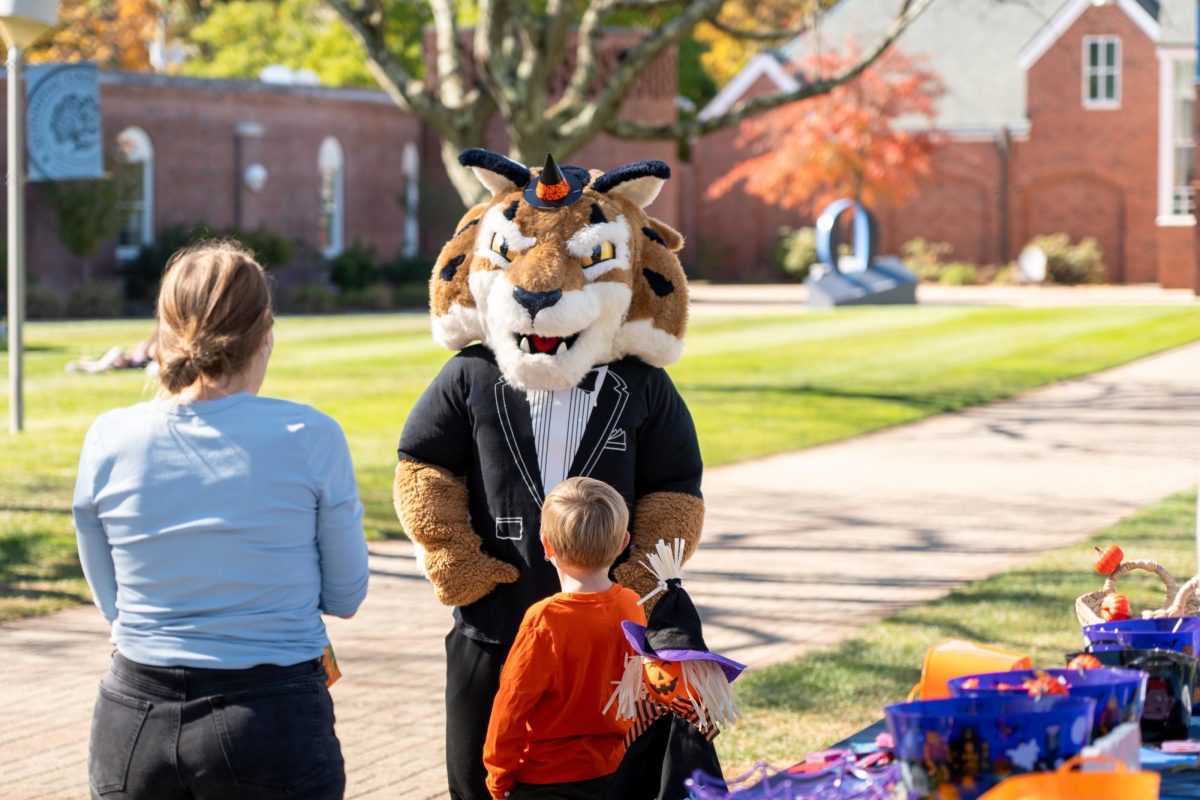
(640,439)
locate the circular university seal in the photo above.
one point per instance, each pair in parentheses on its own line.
(64,123)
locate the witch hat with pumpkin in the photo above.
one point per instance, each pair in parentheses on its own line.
(556,187)
(674,689)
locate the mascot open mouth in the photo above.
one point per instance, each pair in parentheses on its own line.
(547,345)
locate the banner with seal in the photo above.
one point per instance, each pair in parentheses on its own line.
(63,122)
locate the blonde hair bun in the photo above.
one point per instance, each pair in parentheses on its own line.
(214,310)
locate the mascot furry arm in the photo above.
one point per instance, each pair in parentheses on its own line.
(561,275)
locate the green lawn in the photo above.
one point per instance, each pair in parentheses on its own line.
(756,385)
(807,704)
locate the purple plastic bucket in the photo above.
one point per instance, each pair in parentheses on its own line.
(972,743)
(1181,634)
(1119,693)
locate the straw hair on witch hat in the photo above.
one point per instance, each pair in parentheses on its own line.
(556,187)
(673,636)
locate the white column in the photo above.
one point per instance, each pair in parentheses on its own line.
(1166,136)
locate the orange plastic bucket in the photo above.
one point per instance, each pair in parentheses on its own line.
(954,658)
(1114,782)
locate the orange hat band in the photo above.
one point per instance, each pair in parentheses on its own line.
(553,192)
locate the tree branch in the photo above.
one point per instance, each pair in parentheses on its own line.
(591,118)
(686,129)
(760,34)
(449,58)
(586,47)
(407,92)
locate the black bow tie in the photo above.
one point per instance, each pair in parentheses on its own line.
(588,384)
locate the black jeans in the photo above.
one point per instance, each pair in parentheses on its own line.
(186,733)
(575,790)
(472,680)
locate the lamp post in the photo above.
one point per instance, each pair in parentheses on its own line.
(21,22)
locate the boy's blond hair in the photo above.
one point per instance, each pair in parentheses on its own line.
(585,520)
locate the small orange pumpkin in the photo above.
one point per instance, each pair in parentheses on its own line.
(1042,684)
(1115,606)
(664,679)
(1084,661)
(1108,559)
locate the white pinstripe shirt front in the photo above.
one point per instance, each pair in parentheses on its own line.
(559,419)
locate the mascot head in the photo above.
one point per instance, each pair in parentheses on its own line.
(561,270)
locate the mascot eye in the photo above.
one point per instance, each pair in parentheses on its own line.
(500,246)
(605,251)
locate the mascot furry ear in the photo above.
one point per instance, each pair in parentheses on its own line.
(561,270)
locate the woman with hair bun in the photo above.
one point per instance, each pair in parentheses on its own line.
(214,528)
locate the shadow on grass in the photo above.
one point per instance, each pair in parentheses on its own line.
(928,402)
(36,557)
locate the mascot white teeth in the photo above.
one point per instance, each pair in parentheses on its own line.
(564,301)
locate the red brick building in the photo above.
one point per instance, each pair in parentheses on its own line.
(1060,115)
(325,168)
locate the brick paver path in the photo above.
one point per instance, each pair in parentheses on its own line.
(798,549)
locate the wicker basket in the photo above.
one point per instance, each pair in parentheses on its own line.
(1178,603)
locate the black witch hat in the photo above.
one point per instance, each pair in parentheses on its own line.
(673,630)
(556,187)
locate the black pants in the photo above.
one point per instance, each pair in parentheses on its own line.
(472,680)
(184,733)
(575,790)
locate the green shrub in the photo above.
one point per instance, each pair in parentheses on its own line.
(796,252)
(927,260)
(96,299)
(354,268)
(959,273)
(402,270)
(412,295)
(42,302)
(1068,263)
(270,249)
(376,297)
(309,298)
(1006,275)
(145,272)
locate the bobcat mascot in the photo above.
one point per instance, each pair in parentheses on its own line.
(577,301)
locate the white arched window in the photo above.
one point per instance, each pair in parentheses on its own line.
(412,194)
(137,203)
(332,225)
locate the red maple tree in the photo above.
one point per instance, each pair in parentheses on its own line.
(847,143)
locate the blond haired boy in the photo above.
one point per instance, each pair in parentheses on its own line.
(548,736)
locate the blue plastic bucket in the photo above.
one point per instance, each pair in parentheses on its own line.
(972,743)
(1119,693)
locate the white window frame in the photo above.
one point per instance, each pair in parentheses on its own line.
(1169,207)
(135,147)
(1101,72)
(411,166)
(332,157)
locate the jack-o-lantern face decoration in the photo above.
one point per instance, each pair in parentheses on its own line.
(664,680)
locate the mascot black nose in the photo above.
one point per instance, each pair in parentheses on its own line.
(536,301)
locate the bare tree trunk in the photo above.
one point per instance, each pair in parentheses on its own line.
(469,189)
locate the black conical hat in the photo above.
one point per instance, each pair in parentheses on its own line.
(556,187)
(551,175)
(674,633)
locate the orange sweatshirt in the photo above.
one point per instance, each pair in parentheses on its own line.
(546,724)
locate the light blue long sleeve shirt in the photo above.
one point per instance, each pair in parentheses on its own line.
(213,534)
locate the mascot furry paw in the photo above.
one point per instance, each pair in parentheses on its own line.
(564,301)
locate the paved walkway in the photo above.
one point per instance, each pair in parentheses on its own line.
(798,549)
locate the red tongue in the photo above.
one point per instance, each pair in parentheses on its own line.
(543,344)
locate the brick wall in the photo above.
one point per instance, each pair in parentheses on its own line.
(191,124)
(1092,172)
(1086,173)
